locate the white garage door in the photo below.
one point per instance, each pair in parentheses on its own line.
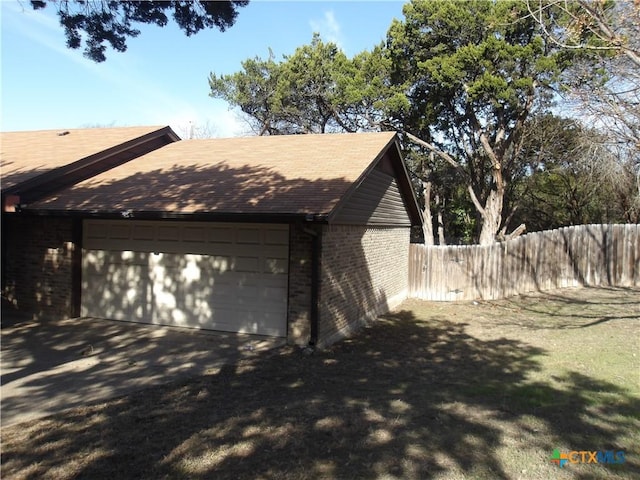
(217,276)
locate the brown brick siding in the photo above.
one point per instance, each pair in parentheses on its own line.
(364,274)
(299,305)
(38,266)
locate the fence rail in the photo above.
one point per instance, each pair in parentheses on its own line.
(584,255)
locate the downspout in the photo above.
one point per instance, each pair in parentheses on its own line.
(316,251)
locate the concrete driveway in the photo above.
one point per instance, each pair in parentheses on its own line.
(50,366)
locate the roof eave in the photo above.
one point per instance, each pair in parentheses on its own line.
(236,217)
(74,170)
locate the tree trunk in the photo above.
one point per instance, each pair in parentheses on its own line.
(441,239)
(491,218)
(427,227)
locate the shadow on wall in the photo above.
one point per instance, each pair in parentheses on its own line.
(38,261)
(407,398)
(349,299)
(581,255)
(364,274)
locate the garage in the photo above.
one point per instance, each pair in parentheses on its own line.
(303,237)
(218,276)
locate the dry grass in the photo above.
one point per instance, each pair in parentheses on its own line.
(465,390)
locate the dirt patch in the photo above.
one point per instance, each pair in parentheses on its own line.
(434,390)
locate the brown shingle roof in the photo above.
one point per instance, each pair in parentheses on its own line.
(274,174)
(25,155)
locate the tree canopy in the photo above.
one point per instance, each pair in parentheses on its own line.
(572,177)
(98,23)
(317,89)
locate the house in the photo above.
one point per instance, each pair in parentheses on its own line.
(304,237)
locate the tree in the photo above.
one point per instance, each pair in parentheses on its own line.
(193,130)
(572,177)
(288,97)
(317,89)
(473,73)
(611,31)
(99,22)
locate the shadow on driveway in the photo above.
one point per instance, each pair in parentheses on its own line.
(49,366)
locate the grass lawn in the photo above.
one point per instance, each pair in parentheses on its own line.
(435,390)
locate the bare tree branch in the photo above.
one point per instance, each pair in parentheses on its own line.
(449,159)
(596,23)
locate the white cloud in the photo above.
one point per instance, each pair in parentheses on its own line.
(328,28)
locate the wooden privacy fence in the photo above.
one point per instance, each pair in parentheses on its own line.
(584,255)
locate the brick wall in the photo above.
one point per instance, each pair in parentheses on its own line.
(364,274)
(38,266)
(299,286)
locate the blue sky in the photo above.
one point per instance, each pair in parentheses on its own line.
(162,77)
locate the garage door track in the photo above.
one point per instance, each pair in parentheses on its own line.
(53,365)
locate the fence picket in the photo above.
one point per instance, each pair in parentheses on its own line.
(582,255)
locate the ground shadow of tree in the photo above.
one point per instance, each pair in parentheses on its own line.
(396,401)
(81,361)
(555,311)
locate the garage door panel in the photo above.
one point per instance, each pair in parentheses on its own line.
(275,266)
(120,232)
(247,264)
(221,235)
(194,234)
(248,236)
(248,321)
(276,236)
(249,292)
(98,231)
(117,294)
(223,277)
(168,233)
(275,294)
(114,259)
(142,232)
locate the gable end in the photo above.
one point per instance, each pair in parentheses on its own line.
(376,201)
